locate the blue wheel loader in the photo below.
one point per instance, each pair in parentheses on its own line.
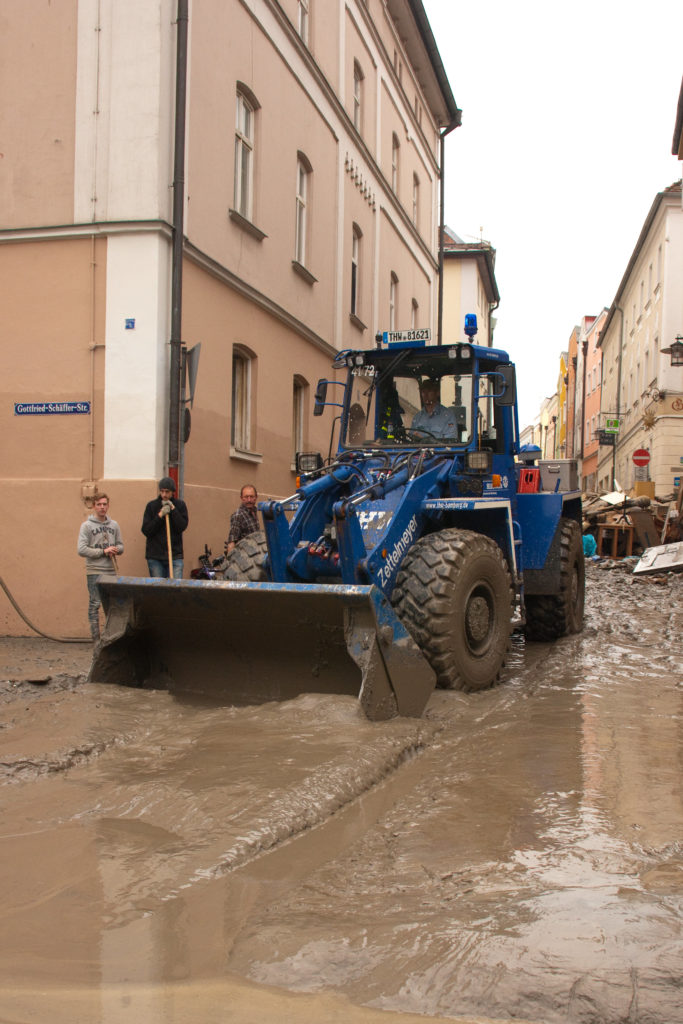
(399,563)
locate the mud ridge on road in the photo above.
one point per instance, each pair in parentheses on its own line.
(26,769)
(35,686)
(339,784)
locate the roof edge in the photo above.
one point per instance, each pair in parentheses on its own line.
(676,146)
(645,230)
(429,42)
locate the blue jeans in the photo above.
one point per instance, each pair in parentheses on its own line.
(158,567)
(94,603)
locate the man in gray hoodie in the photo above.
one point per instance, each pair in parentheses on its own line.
(99,542)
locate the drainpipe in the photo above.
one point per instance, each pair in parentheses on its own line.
(455,123)
(174,417)
(618,409)
(492,309)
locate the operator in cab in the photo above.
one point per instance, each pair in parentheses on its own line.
(434,419)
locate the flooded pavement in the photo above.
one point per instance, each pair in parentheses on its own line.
(514,855)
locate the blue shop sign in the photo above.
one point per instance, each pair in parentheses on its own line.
(50,408)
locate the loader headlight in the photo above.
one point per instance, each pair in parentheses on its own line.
(479,462)
(308,462)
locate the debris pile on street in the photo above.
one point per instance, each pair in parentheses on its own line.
(642,533)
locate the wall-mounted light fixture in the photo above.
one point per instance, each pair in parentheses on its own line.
(675,350)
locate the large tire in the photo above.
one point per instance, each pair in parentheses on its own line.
(550,616)
(453,593)
(245,561)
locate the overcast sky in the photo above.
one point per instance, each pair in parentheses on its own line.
(568,120)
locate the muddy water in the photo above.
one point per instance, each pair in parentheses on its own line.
(514,854)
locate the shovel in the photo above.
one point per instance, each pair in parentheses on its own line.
(170,553)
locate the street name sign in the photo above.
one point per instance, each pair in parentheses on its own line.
(51,408)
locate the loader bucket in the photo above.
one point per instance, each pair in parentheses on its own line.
(245,643)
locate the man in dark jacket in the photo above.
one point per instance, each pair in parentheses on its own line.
(163,524)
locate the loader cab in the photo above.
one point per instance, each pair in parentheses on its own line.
(387,404)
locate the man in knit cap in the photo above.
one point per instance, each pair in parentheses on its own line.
(99,542)
(154,527)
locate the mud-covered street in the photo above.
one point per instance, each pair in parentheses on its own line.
(514,855)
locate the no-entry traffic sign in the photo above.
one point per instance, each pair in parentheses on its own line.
(641,456)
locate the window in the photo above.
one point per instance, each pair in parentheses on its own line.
(244,155)
(298,406)
(395,146)
(355,270)
(241,399)
(393,300)
(304,14)
(659,264)
(357,96)
(416,199)
(303,171)
(414,316)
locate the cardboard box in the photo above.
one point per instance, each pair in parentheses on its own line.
(559,474)
(646,487)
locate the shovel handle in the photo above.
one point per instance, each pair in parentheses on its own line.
(170,552)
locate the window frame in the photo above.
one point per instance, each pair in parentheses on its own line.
(356,245)
(301,223)
(299,389)
(241,400)
(244,152)
(304,20)
(358,79)
(395,156)
(393,300)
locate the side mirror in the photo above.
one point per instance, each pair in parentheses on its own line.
(320,396)
(505,387)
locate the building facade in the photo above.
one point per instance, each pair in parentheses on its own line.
(593,422)
(640,387)
(572,393)
(560,439)
(469,286)
(303,155)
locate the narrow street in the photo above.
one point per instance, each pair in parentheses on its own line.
(514,855)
